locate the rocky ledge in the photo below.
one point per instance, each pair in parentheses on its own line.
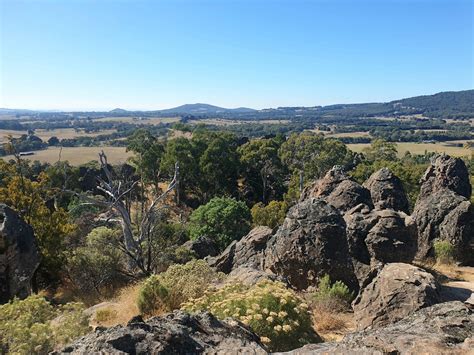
(173,333)
(445,328)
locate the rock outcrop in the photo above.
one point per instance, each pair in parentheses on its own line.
(246,252)
(443,210)
(386,191)
(174,333)
(202,246)
(19,255)
(445,328)
(311,243)
(338,189)
(446,172)
(395,292)
(344,229)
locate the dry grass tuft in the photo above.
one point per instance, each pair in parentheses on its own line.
(105,315)
(331,325)
(127,304)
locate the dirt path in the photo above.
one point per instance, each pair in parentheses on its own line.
(461,286)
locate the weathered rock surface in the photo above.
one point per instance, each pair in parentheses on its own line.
(392,238)
(339,189)
(311,243)
(250,276)
(386,191)
(19,255)
(247,252)
(375,235)
(202,247)
(445,328)
(446,172)
(394,293)
(174,333)
(443,210)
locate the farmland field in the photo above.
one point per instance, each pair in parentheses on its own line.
(61,133)
(348,134)
(420,148)
(78,155)
(147,120)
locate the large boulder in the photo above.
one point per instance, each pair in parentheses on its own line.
(395,292)
(338,189)
(173,333)
(202,247)
(445,328)
(375,235)
(311,243)
(247,252)
(387,191)
(392,238)
(19,255)
(446,172)
(443,210)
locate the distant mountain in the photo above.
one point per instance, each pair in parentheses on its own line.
(443,104)
(118,110)
(450,104)
(7,111)
(204,109)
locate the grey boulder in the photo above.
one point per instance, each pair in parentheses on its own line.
(19,255)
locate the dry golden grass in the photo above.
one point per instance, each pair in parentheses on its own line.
(148,120)
(64,133)
(420,148)
(105,315)
(331,325)
(119,310)
(225,122)
(78,155)
(348,134)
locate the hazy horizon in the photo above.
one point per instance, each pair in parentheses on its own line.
(193,103)
(86,55)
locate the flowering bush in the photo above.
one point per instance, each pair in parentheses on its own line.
(34,326)
(276,314)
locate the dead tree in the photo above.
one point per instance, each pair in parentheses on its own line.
(116,192)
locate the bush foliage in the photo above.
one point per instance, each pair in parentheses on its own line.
(34,326)
(152,296)
(222,219)
(178,284)
(444,251)
(94,268)
(335,296)
(271,215)
(275,313)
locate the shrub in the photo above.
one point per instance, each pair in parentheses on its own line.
(222,219)
(188,281)
(444,251)
(168,290)
(276,314)
(94,268)
(152,296)
(165,247)
(34,326)
(271,215)
(336,296)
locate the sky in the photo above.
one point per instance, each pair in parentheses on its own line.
(141,55)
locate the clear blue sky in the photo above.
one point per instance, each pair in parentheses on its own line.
(68,54)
